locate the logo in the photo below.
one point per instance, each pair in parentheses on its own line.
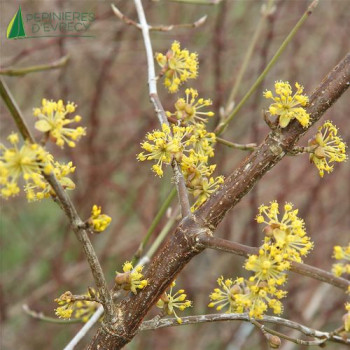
(16,29)
(50,24)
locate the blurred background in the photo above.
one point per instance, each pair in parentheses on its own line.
(106,76)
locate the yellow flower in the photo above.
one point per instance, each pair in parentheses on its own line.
(346,318)
(53,120)
(99,221)
(341,253)
(258,298)
(224,297)
(169,302)
(241,296)
(130,278)
(288,106)
(27,161)
(268,266)
(202,141)
(204,188)
(164,146)
(327,148)
(177,66)
(188,110)
(77,307)
(286,234)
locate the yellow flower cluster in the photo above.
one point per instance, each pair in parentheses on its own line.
(287,106)
(285,241)
(244,296)
(30,161)
(341,253)
(327,148)
(80,308)
(98,221)
(169,302)
(188,110)
(286,235)
(164,146)
(131,278)
(177,66)
(346,318)
(53,121)
(187,141)
(191,146)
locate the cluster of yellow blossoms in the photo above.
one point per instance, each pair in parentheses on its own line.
(186,141)
(285,241)
(99,222)
(341,253)
(287,106)
(131,278)
(30,161)
(77,307)
(177,66)
(53,121)
(327,147)
(169,302)
(340,269)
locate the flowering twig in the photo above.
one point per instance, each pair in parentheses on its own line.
(242,147)
(222,126)
(161,28)
(40,316)
(69,209)
(179,179)
(32,69)
(302,269)
(170,322)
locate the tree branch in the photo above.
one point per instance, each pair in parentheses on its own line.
(160,28)
(152,84)
(33,69)
(197,319)
(67,206)
(302,269)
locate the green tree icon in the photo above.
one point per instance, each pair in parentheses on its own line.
(15,28)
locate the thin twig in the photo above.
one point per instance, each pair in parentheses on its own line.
(222,126)
(302,269)
(238,77)
(152,85)
(158,241)
(69,209)
(33,69)
(267,331)
(153,225)
(197,319)
(161,28)
(40,316)
(242,147)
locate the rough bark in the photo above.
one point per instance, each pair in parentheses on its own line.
(184,244)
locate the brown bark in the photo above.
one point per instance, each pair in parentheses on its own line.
(184,244)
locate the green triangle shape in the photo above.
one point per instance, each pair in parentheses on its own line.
(15,28)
